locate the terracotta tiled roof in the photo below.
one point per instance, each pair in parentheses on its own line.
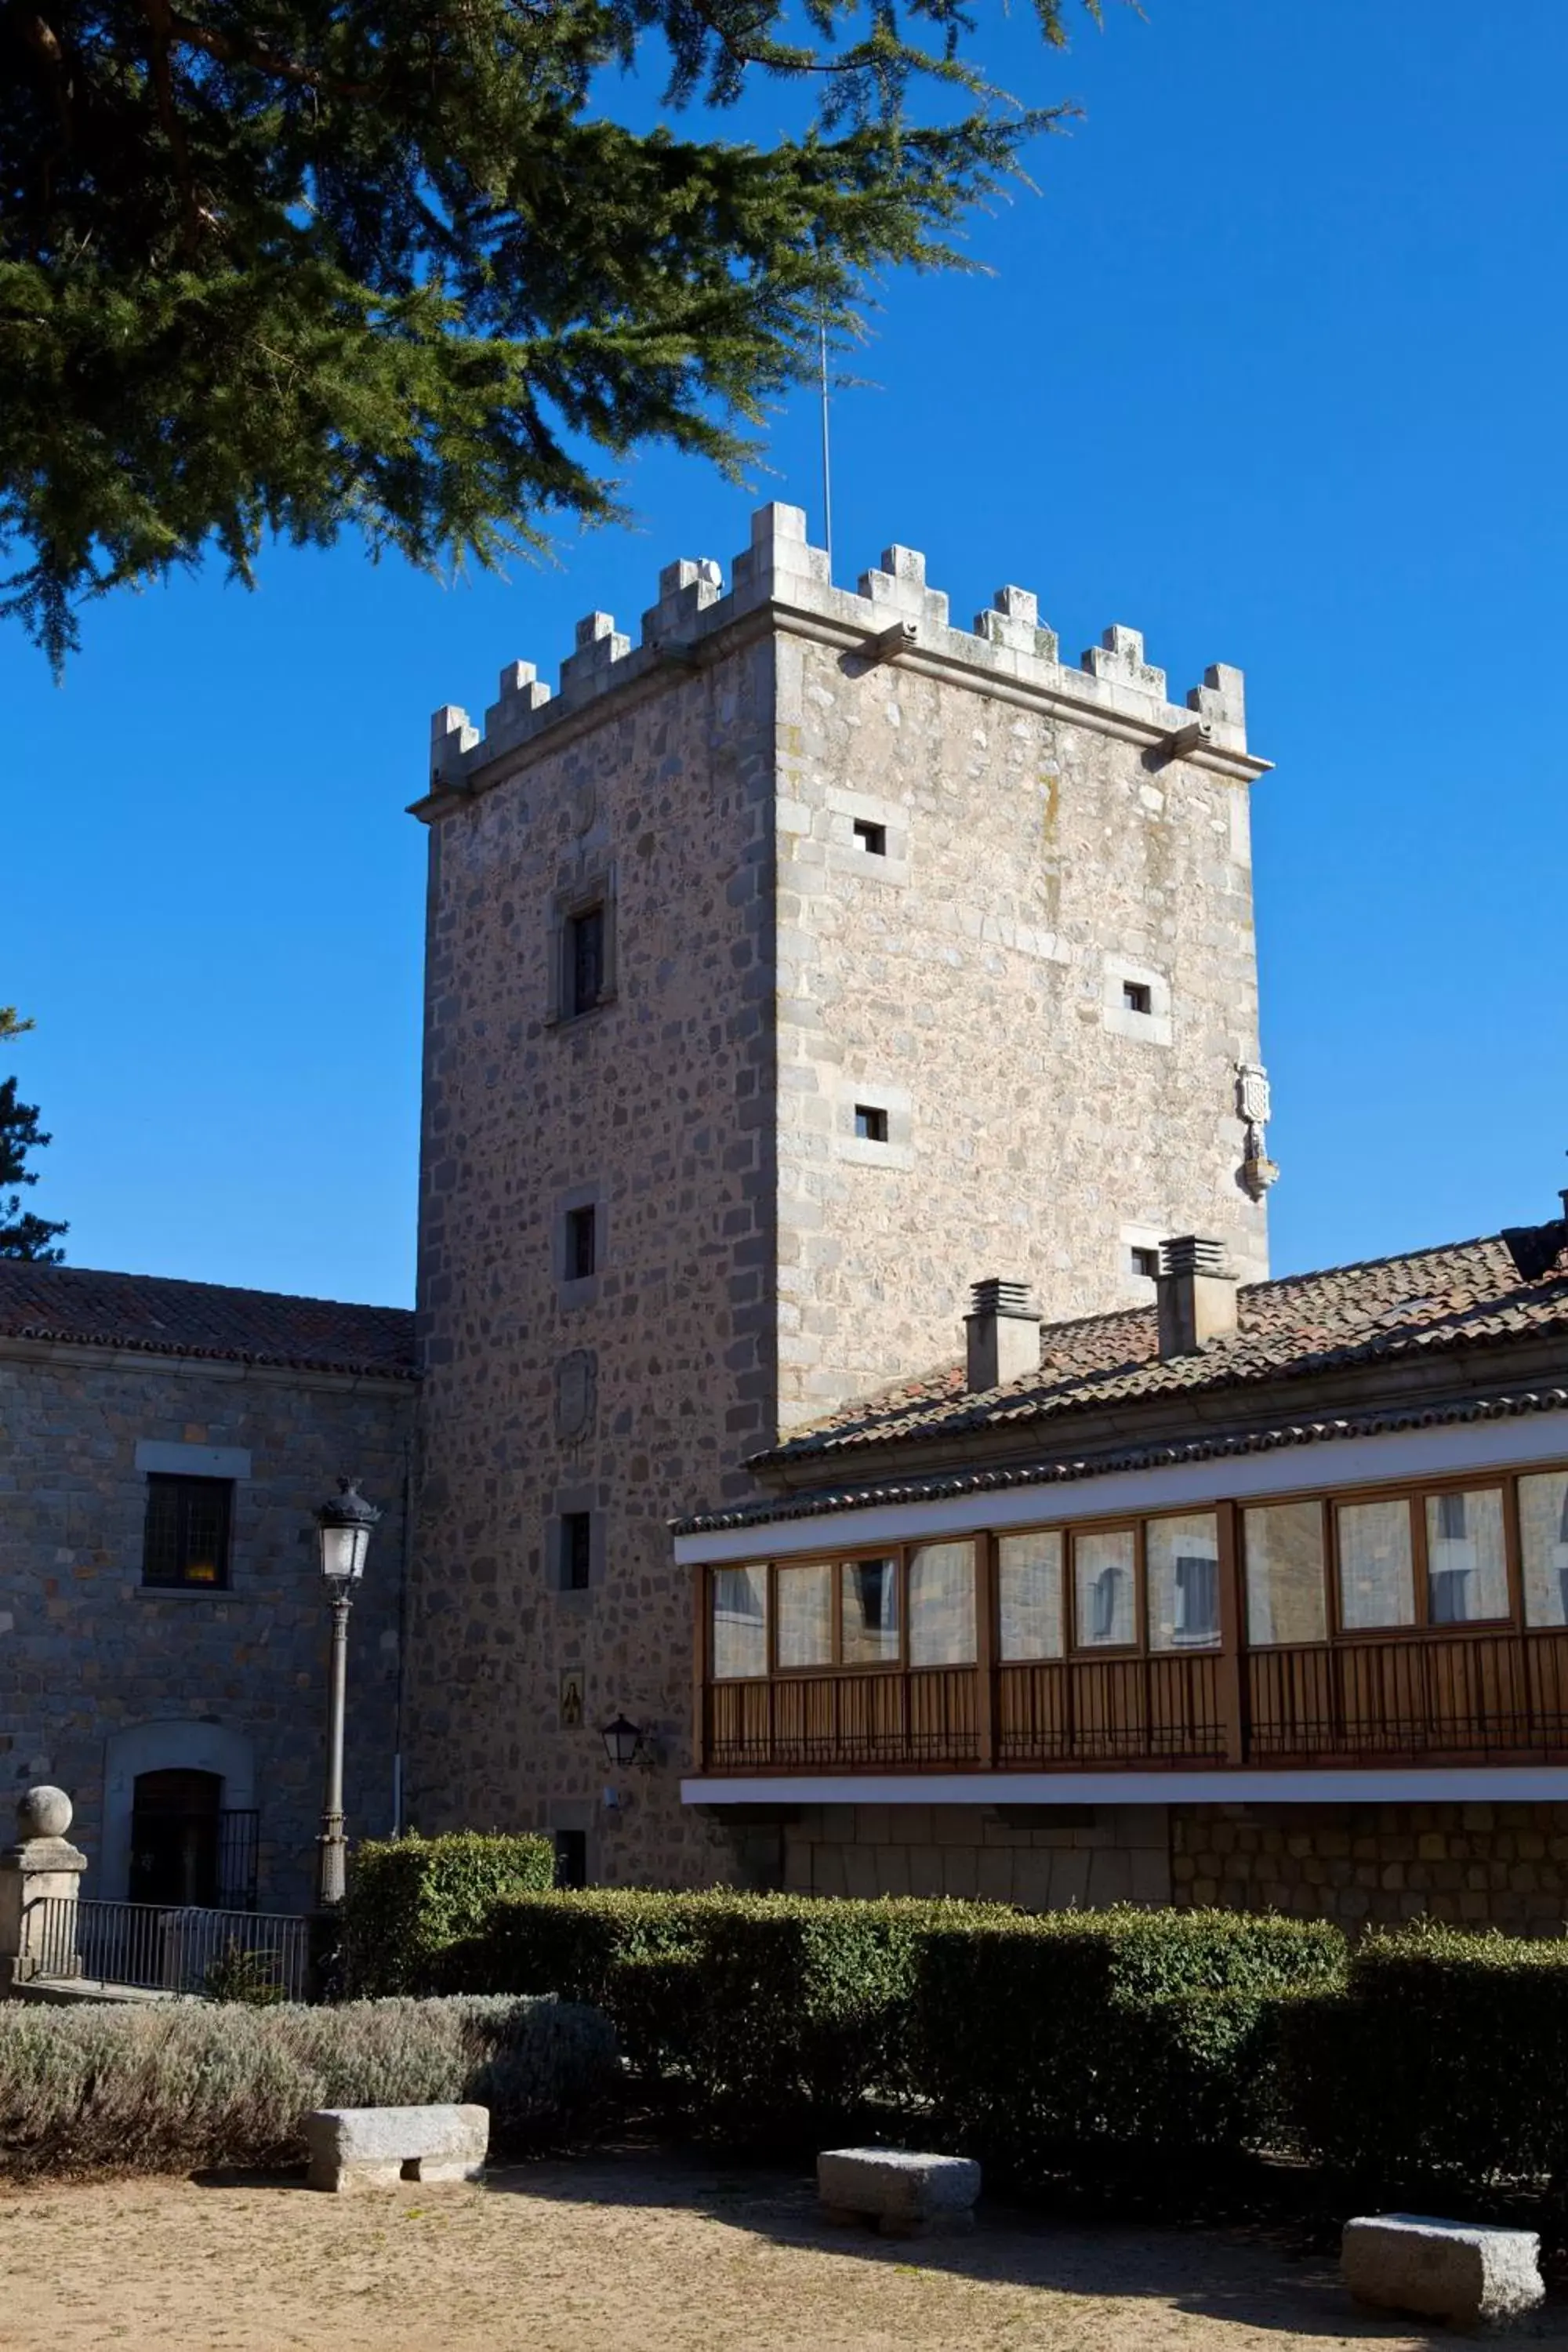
(156,1316)
(1431,1300)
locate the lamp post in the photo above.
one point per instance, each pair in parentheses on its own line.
(343,1540)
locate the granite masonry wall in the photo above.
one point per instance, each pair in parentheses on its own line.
(101,1676)
(1043,1858)
(1482,1865)
(635,1393)
(1033,841)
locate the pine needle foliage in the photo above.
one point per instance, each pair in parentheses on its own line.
(397,266)
(23,1234)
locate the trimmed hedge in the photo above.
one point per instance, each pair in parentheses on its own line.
(1030,2040)
(1446,2055)
(178,2086)
(1126,2032)
(409,1897)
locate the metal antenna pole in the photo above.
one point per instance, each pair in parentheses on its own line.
(826,456)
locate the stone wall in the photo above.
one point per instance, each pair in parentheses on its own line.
(1481,1865)
(633,1395)
(1037,842)
(1043,1858)
(90,1655)
(968,981)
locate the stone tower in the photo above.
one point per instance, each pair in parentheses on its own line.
(787,973)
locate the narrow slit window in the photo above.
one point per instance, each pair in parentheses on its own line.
(870,1123)
(1145,1262)
(1136,996)
(584,950)
(576,1550)
(581,1243)
(871,838)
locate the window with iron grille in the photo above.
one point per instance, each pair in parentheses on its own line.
(584,950)
(186,1539)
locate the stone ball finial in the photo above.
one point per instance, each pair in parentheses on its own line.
(43,1813)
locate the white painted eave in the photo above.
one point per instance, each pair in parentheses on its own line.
(1460,1784)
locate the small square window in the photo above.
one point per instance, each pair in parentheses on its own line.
(185,1543)
(581,1243)
(576,1550)
(571,1858)
(1145,1262)
(583,942)
(871,838)
(1136,996)
(870,1123)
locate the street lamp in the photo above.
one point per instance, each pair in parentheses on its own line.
(343,1540)
(622,1740)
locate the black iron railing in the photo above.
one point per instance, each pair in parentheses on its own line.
(218,1954)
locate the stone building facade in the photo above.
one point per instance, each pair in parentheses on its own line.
(814,958)
(1327,1517)
(145,1698)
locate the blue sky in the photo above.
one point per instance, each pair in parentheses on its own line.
(1271,368)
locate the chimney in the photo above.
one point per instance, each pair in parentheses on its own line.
(1196,1293)
(1003,1331)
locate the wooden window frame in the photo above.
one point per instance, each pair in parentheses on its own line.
(1229,1512)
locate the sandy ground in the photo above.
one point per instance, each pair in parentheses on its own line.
(616,2252)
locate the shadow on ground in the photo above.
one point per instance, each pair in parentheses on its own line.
(1245,2277)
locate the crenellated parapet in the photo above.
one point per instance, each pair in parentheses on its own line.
(893,617)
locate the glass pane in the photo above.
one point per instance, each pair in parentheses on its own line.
(1285,1592)
(806,1615)
(1030,1578)
(942,1605)
(870,1595)
(1377,1584)
(739,1623)
(1543,1540)
(1184,1582)
(1104,1572)
(1467,1569)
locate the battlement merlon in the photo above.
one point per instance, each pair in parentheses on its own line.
(1010,654)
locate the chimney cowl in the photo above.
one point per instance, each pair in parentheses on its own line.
(1195,1291)
(1001,1334)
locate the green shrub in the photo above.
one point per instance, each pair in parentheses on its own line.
(177,2085)
(754,2014)
(1446,2054)
(1041,2040)
(410,1898)
(779,2015)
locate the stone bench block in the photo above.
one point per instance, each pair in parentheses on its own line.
(377,2148)
(1468,2275)
(906,2196)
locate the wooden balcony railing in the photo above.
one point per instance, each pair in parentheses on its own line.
(1501,1694)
